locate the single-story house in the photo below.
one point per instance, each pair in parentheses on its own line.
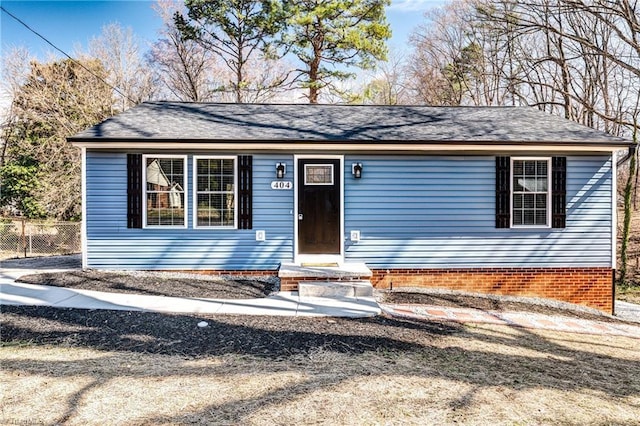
(505,200)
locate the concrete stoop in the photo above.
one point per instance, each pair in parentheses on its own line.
(359,288)
(343,280)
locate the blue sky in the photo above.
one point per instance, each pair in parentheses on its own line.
(71,24)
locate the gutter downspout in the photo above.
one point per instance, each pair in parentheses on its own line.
(630,153)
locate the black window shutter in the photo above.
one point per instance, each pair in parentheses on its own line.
(558,192)
(245,192)
(503,204)
(134,190)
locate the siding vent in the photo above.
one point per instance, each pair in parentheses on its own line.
(134,190)
(245,192)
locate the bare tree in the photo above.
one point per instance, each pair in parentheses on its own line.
(577,53)
(458,60)
(15,69)
(119,51)
(240,34)
(385,85)
(187,70)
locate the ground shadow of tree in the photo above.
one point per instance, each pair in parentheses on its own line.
(180,335)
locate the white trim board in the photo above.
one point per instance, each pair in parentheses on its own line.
(276,146)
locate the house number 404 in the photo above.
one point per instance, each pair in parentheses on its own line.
(280,184)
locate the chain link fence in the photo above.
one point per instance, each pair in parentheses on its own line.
(25,238)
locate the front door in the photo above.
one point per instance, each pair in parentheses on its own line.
(319,206)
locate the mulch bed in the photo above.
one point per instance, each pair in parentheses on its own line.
(159,284)
(261,336)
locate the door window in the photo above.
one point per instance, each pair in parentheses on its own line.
(318,174)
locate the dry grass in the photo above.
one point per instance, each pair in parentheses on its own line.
(628,294)
(479,375)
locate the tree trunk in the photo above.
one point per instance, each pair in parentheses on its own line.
(314,66)
(626,228)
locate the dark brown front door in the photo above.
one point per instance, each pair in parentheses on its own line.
(319,206)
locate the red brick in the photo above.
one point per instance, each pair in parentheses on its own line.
(587,286)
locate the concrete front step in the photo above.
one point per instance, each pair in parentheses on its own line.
(355,288)
(344,271)
(292,276)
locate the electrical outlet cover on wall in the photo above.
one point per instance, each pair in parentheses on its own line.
(261,235)
(355,236)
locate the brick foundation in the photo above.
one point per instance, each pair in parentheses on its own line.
(232,272)
(585,286)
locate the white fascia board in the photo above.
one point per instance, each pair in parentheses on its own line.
(343,147)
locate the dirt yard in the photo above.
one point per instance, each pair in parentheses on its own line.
(104,367)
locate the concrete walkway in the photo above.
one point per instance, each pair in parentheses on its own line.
(281,304)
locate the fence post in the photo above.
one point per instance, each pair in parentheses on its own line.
(24,237)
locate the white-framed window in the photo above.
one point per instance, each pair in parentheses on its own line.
(318,174)
(530,192)
(165,187)
(215,192)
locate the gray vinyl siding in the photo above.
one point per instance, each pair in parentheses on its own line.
(439,212)
(111,245)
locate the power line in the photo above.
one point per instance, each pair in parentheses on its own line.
(65,54)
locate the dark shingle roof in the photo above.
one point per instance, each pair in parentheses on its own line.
(211,122)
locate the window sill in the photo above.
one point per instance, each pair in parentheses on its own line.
(215,228)
(530,227)
(164,227)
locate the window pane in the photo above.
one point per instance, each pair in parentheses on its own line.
(517,217)
(530,192)
(528,184)
(541,184)
(518,184)
(202,183)
(214,184)
(528,217)
(321,174)
(541,168)
(227,182)
(228,168)
(528,201)
(216,196)
(517,168)
(165,191)
(530,168)
(517,201)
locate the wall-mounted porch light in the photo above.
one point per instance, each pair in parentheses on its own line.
(356,170)
(281,170)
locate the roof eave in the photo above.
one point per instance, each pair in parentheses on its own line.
(373,145)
